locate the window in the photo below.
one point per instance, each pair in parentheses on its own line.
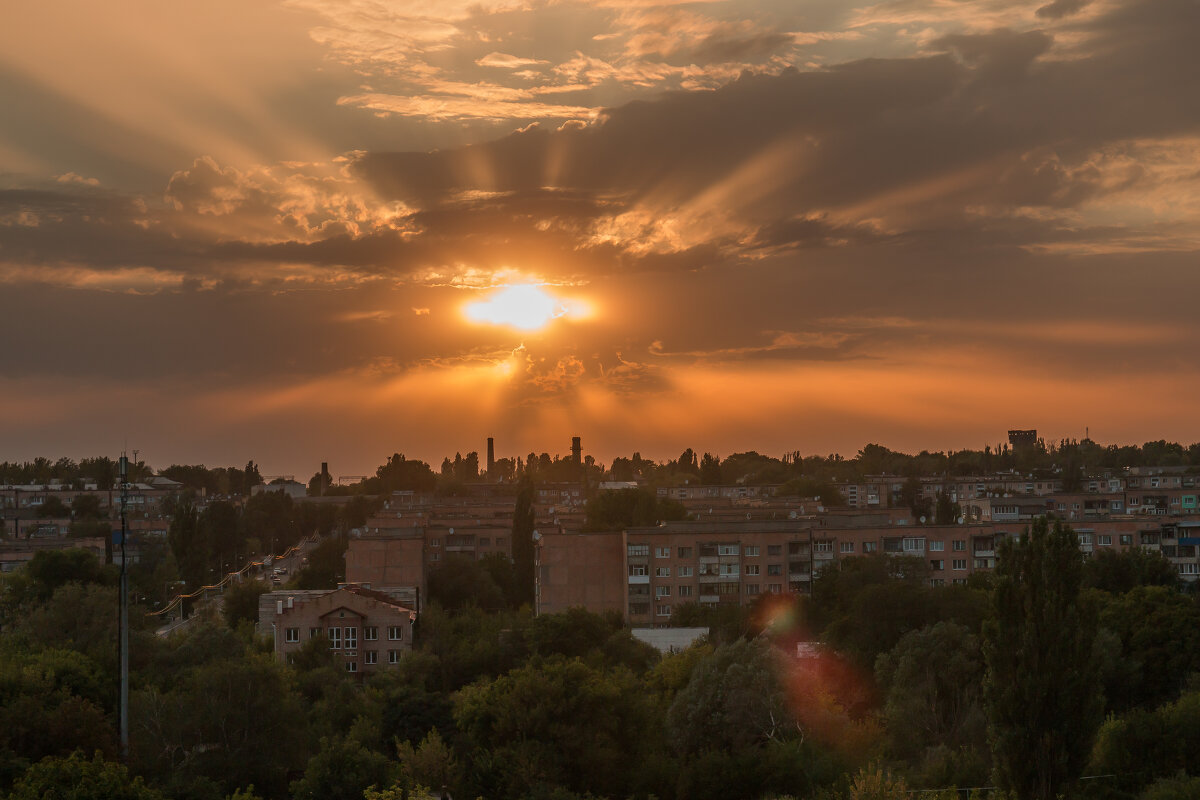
(351,638)
(314,633)
(485,541)
(371,633)
(662,552)
(937,581)
(639,550)
(394,633)
(393,656)
(937,564)
(774,569)
(959,563)
(662,572)
(662,610)
(1105,539)
(775,588)
(639,609)
(727,549)
(960,545)
(870,547)
(685,591)
(752,569)
(291,635)
(662,591)
(684,552)
(639,569)
(435,556)
(501,541)
(729,570)
(824,547)
(351,666)
(774,549)
(335,638)
(685,572)
(752,588)
(847,547)
(959,581)
(937,547)
(372,656)
(435,542)
(751,550)
(913,545)
(1189,569)
(1126,538)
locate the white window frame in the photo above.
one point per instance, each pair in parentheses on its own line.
(335,637)
(372,656)
(395,633)
(350,637)
(291,634)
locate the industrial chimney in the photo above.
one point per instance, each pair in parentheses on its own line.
(491,459)
(576,450)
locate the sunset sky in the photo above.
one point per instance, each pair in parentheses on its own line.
(234,230)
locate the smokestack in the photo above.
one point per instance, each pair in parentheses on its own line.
(491,461)
(324,477)
(576,450)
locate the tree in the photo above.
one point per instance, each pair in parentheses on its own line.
(522,542)
(1159,630)
(241,602)
(710,470)
(342,770)
(460,581)
(557,722)
(611,510)
(1120,571)
(80,778)
(1042,688)
(933,698)
(734,700)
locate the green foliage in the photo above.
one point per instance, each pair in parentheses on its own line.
(229,722)
(79,778)
(1142,745)
(1120,571)
(614,510)
(240,603)
(557,722)
(933,705)
(53,508)
(823,490)
(733,700)
(1042,694)
(341,770)
(1159,633)
(326,565)
(51,703)
(460,582)
(1180,787)
(400,474)
(49,570)
(523,546)
(431,763)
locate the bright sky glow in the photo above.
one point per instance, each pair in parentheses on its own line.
(525,307)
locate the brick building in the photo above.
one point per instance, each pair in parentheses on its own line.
(366,630)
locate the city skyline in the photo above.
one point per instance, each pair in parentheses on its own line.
(284,233)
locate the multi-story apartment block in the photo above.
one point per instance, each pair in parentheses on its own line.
(366,630)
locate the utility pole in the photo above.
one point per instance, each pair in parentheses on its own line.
(124,621)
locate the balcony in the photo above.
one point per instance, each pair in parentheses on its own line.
(638,579)
(985,553)
(823,556)
(710,598)
(800,576)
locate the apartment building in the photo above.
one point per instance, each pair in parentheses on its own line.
(366,630)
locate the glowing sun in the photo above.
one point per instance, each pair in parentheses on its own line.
(526,307)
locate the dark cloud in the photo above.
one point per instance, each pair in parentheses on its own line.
(1061,8)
